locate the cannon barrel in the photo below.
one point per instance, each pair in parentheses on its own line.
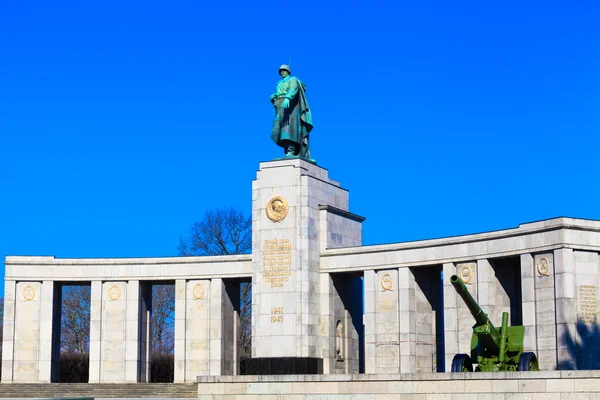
(491,347)
(480,317)
(484,329)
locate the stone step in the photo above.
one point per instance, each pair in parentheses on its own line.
(108,390)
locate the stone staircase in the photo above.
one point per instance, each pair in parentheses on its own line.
(99,390)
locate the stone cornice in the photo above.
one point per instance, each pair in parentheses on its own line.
(523,229)
(342,213)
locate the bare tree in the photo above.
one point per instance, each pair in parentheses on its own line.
(221,232)
(225,231)
(163,310)
(75,319)
(246,320)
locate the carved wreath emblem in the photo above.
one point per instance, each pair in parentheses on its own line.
(277,209)
(198,291)
(543,266)
(28,293)
(114,292)
(466,274)
(386,282)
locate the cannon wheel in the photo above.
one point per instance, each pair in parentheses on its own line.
(462,363)
(528,362)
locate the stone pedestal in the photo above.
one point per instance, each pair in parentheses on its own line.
(286,222)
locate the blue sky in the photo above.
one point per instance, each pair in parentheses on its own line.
(123,122)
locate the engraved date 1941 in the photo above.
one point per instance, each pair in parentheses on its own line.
(276,314)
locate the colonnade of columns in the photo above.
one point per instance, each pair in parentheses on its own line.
(205,323)
(541,291)
(412,321)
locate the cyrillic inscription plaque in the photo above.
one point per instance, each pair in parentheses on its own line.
(277,261)
(588,304)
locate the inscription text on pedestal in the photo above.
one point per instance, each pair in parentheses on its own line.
(277,261)
(276,314)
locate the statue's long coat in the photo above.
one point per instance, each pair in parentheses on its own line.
(295,122)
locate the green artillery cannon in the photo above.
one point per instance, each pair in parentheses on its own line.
(491,348)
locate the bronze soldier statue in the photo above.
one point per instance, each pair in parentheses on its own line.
(293,121)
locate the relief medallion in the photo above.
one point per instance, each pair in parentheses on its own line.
(466,274)
(277,209)
(543,266)
(386,282)
(28,293)
(198,291)
(114,293)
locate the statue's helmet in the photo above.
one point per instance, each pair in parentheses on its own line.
(285,68)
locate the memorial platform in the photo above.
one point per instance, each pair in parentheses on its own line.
(543,385)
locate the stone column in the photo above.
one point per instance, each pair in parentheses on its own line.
(197,328)
(180,331)
(566,308)
(408,320)
(369,319)
(451,302)
(387,324)
(115,349)
(144,356)
(132,332)
(327,329)
(95,330)
(545,310)
(8,336)
(587,284)
(47,331)
(236,335)
(469,272)
(217,327)
(528,301)
(27,332)
(487,290)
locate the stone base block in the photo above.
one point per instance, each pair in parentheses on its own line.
(282,366)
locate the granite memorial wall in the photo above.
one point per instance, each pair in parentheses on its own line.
(322,303)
